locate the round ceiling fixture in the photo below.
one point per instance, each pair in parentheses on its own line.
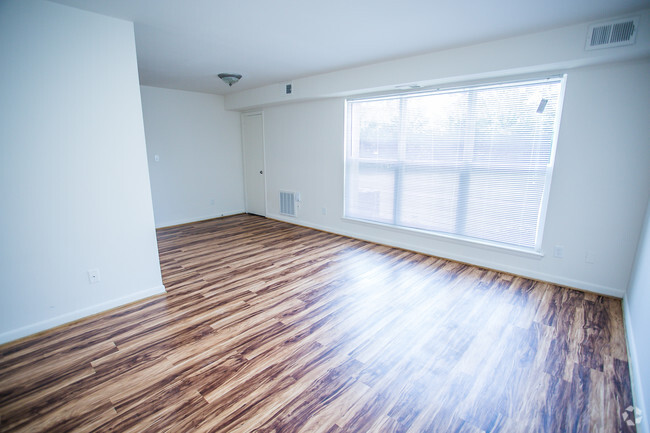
(229,79)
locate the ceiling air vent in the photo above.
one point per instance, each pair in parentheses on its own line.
(612,34)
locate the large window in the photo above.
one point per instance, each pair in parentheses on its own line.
(473,163)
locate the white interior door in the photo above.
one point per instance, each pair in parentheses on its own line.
(254,177)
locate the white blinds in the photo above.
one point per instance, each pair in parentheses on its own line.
(473,162)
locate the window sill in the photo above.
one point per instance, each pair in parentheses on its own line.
(492,246)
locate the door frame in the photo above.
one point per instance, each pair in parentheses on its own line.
(245,162)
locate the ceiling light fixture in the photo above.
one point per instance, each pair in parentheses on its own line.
(229,79)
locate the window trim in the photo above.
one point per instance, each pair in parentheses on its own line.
(537,250)
(460,85)
(447,237)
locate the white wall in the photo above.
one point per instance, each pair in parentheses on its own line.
(554,49)
(73,169)
(597,202)
(637,322)
(199,174)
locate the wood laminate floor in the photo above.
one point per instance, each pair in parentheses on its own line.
(269,327)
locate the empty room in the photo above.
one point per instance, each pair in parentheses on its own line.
(300,216)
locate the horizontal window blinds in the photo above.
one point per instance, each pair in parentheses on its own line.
(473,162)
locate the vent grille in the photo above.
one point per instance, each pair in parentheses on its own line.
(612,34)
(288,203)
(622,32)
(600,35)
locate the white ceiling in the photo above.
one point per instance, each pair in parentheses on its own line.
(184,44)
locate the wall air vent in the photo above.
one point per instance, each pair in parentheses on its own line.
(288,203)
(612,34)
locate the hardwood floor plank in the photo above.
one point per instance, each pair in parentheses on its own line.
(271,327)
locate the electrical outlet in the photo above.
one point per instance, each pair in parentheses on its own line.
(93,276)
(590,257)
(323,211)
(558,251)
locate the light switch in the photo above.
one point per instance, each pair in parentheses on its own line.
(156,158)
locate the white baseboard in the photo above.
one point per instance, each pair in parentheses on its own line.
(554,279)
(635,377)
(197,219)
(24,331)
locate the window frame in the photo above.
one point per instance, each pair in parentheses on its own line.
(535,251)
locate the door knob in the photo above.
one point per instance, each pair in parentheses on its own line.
(261,172)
